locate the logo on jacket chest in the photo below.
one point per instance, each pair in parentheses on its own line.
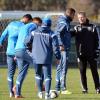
(85,28)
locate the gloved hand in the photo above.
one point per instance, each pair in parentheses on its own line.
(29,47)
(78,59)
(0,46)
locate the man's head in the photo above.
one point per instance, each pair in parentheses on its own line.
(26,18)
(47,21)
(37,20)
(70,12)
(82,17)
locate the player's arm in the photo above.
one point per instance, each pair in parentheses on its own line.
(56,48)
(32,28)
(96,42)
(96,38)
(59,31)
(28,41)
(3,36)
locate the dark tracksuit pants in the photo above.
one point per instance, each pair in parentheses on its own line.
(93,66)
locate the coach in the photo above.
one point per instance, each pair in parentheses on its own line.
(87,50)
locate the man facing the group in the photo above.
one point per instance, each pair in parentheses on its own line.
(87,42)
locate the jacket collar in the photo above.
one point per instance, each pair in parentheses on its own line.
(86,23)
(66,18)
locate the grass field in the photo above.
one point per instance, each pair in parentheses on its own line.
(30,92)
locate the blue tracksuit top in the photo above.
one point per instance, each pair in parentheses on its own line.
(11,32)
(63,31)
(44,42)
(23,32)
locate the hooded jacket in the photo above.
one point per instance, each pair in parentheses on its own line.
(63,31)
(44,42)
(11,32)
(23,32)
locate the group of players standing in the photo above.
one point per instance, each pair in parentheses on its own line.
(31,40)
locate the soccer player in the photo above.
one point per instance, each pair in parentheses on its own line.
(64,38)
(44,42)
(22,56)
(11,32)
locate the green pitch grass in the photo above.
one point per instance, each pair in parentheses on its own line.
(29,90)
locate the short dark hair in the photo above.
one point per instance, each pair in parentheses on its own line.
(70,10)
(37,19)
(28,16)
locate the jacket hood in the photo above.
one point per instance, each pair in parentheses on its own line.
(64,18)
(45,29)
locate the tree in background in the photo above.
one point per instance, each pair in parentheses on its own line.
(92,7)
(40,5)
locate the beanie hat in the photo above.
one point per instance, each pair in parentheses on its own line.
(46,21)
